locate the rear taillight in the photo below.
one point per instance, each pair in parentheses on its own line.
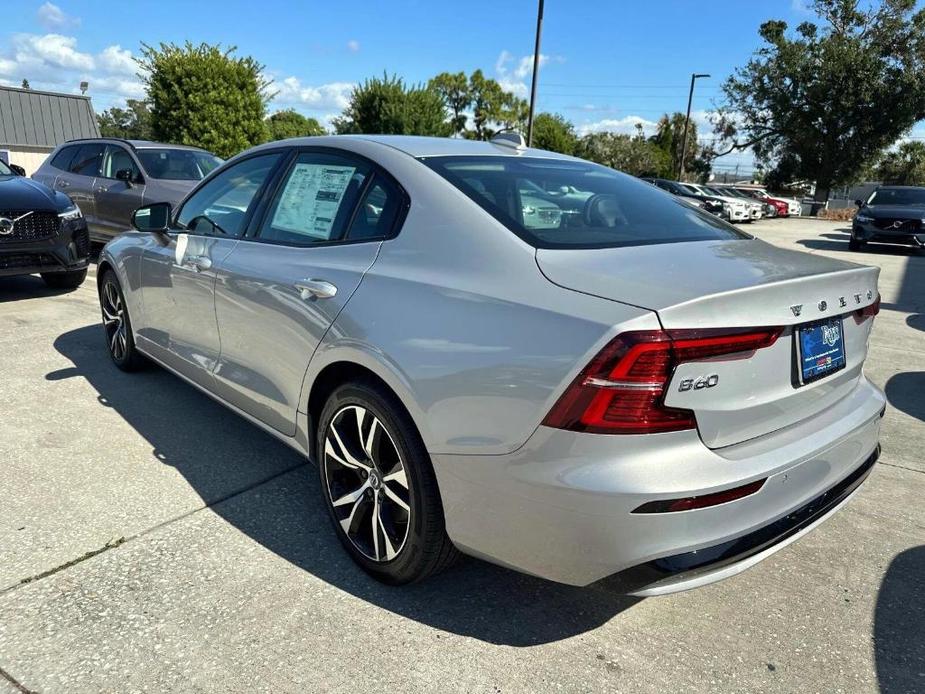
(862,314)
(622,390)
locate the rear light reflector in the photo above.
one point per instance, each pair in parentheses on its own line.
(693,502)
(622,390)
(862,314)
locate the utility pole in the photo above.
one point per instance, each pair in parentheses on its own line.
(687,124)
(536,72)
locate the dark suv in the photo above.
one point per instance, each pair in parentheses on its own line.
(892,214)
(110,178)
(41,231)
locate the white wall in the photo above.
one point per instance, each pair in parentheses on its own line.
(30,158)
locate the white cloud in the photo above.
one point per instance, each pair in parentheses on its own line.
(335,95)
(53,62)
(118,60)
(49,51)
(626,125)
(353,45)
(800,7)
(52,17)
(514,79)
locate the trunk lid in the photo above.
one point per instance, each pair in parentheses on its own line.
(734,284)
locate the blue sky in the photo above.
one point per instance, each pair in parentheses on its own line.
(607,64)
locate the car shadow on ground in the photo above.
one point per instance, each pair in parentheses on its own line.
(27,287)
(209,445)
(904,391)
(899,647)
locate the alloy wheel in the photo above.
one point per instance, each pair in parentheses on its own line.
(367,483)
(114,320)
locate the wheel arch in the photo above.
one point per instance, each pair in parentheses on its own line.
(356,365)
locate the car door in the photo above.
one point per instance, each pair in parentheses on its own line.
(115,199)
(179,268)
(283,285)
(78,182)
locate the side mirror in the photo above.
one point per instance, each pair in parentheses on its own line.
(125,175)
(859,203)
(18,170)
(153,218)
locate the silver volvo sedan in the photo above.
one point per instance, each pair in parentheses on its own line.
(510,353)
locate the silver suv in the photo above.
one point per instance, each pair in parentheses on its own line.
(110,178)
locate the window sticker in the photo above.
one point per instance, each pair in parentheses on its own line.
(310,199)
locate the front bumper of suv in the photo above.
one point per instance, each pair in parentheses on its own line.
(563,507)
(66,251)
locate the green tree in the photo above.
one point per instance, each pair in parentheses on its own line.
(903,167)
(454,88)
(25,84)
(285,124)
(632,154)
(553,132)
(824,102)
(205,96)
(387,106)
(131,123)
(493,109)
(669,138)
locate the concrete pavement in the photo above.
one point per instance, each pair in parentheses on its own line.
(150,540)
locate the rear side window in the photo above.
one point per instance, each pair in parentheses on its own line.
(315,201)
(62,160)
(87,161)
(564,204)
(378,211)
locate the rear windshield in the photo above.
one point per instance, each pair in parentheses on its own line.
(562,204)
(898,196)
(177,164)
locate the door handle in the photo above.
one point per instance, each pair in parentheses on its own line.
(62,184)
(102,189)
(199,263)
(318,289)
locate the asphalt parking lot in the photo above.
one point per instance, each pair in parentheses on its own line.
(150,540)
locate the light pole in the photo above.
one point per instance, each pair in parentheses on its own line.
(536,71)
(687,124)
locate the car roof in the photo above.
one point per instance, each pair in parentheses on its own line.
(136,144)
(419,146)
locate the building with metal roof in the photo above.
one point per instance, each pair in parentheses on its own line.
(33,123)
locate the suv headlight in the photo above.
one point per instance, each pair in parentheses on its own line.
(70,214)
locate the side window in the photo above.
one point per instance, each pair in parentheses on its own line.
(316,199)
(378,211)
(62,159)
(220,206)
(117,159)
(87,161)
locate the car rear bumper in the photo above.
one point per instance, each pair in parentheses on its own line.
(67,251)
(562,507)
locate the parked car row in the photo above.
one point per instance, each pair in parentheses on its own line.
(734,203)
(493,349)
(87,190)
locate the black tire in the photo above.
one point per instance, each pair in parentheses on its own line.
(417,536)
(855,245)
(117,326)
(65,280)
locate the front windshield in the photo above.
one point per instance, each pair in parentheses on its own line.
(552,203)
(4,169)
(177,164)
(898,196)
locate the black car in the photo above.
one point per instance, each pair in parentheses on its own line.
(892,214)
(41,231)
(713,205)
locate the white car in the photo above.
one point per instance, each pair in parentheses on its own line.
(734,209)
(755,208)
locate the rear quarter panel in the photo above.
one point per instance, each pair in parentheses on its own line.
(455,316)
